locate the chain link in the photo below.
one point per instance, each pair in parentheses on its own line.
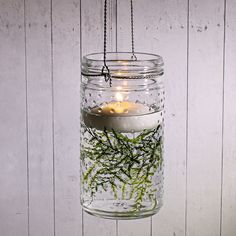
(132,28)
(105,69)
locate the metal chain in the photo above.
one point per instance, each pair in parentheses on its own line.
(105,69)
(132,28)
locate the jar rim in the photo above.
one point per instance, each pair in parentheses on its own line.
(123,65)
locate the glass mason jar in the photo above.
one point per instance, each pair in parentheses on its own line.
(122,135)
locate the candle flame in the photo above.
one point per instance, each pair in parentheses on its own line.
(119,97)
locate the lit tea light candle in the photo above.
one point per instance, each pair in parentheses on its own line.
(124,108)
(122,116)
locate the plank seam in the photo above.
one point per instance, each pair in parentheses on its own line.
(27,120)
(80,36)
(223,107)
(116,25)
(110,26)
(117,227)
(116,37)
(53,126)
(187,118)
(151,226)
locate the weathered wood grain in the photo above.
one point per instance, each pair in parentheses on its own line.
(41,43)
(161,28)
(66,102)
(39,90)
(205,98)
(92,41)
(130,227)
(229,134)
(13,120)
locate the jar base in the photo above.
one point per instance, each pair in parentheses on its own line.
(118,215)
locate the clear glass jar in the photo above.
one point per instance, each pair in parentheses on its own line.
(122,136)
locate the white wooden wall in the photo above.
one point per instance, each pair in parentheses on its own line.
(41,43)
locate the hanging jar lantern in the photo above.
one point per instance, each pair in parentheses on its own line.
(122,133)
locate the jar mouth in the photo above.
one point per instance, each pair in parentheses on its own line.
(123,65)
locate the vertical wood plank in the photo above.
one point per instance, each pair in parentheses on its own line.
(130,227)
(13,134)
(159,27)
(66,77)
(39,88)
(169,38)
(205,117)
(92,26)
(136,227)
(229,151)
(92,41)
